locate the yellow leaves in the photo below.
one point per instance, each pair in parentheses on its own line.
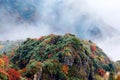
(67,51)
(6,60)
(2,63)
(65,69)
(67,54)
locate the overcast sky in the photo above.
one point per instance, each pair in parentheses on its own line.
(109,11)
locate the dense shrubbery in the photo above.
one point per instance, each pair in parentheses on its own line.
(61,57)
(56,57)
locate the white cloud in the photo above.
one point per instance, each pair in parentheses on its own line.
(111,47)
(108,10)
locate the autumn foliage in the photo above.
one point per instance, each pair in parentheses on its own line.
(93,48)
(5,69)
(101,72)
(1,63)
(65,69)
(3,72)
(13,74)
(56,57)
(6,60)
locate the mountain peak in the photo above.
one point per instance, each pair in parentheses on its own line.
(62,57)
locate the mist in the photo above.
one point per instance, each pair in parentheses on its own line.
(20,19)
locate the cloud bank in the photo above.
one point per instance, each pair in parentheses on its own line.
(22,19)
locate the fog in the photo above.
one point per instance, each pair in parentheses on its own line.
(109,12)
(97,20)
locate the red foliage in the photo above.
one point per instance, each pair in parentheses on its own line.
(49,55)
(4,72)
(101,72)
(13,74)
(93,48)
(6,60)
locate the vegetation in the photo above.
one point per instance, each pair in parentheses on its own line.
(57,57)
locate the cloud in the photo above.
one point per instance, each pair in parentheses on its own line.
(58,15)
(111,47)
(108,10)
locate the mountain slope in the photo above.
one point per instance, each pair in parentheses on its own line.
(62,57)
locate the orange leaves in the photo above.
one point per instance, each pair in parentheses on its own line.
(93,47)
(65,69)
(13,74)
(3,72)
(6,70)
(3,67)
(6,60)
(118,76)
(101,72)
(1,63)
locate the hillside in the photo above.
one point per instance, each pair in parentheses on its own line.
(62,57)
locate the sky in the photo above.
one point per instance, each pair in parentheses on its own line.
(109,11)
(20,19)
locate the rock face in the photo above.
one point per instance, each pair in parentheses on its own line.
(56,57)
